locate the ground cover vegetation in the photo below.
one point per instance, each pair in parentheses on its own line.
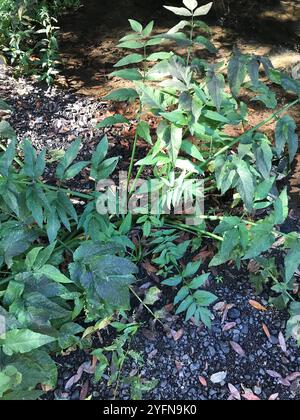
(68,272)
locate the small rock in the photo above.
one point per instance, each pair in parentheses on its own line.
(234,314)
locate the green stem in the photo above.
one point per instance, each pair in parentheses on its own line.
(191,40)
(194,230)
(133,153)
(146,306)
(138,175)
(67,191)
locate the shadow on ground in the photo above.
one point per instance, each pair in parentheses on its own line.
(89,36)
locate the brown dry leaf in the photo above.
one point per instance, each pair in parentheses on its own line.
(273,397)
(284,382)
(237,348)
(234,392)
(150,335)
(250,396)
(177,334)
(229,326)
(203,255)
(220,307)
(69,351)
(227,308)
(84,390)
(46,388)
(282,342)
(149,267)
(293,376)
(266,331)
(179,365)
(258,306)
(203,381)
(85,367)
(253,267)
(94,362)
(169,307)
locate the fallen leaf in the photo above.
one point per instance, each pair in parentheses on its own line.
(220,307)
(284,382)
(84,390)
(46,388)
(237,348)
(149,267)
(274,374)
(227,308)
(229,326)
(203,381)
(282,342)
(169,307)
(253,267)
(280,379)
(150,335)
(152,295)
(177,334)
(218,377)
(234,392)
(257,305)
(293,376)
(266,331)
(250,396)
(179,365)
(273,397)
(85,367)
(203,255)
(133,372)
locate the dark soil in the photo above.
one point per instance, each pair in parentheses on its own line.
(89,37)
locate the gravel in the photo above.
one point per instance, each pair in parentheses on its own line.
(51,118)
(178,365)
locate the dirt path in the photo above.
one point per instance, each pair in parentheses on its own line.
(89,37)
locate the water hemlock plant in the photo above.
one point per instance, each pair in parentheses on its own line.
(65,266)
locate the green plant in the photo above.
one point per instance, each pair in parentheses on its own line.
(169,253)
(120,352)
(191,299)
(41,295)
(61,259)
(29,33)
(188,99)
